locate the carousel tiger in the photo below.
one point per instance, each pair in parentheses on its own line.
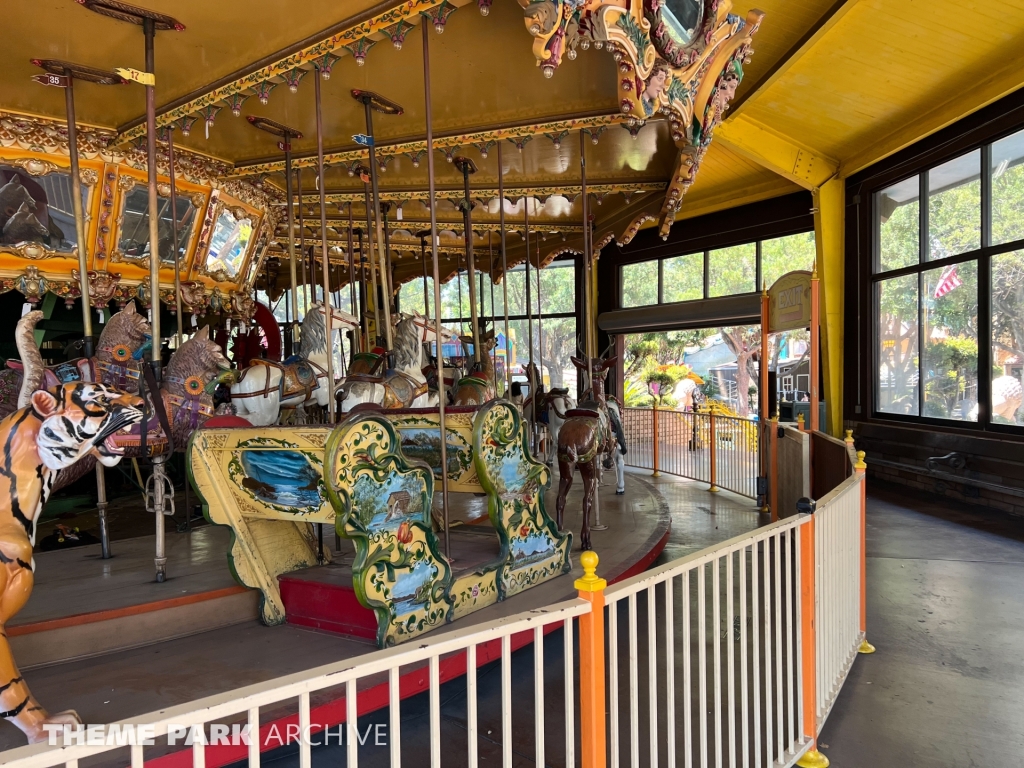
(50,431)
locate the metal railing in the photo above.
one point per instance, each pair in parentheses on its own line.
(711,448)
(711,660)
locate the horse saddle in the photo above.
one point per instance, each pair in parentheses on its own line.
(298,377)
(400,390)
(367,363)
(80,369)
(589,408)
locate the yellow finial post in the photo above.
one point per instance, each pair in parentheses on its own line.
(590,581)
(800,421)
(849,437)
(860,466)
(593,745)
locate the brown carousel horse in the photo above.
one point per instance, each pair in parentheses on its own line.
(478,387)
(52,430)
(117,362)
(585,435)
(186,392)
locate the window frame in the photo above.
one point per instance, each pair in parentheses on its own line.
(981,256)
(705,261)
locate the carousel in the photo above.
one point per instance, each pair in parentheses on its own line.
(341,297)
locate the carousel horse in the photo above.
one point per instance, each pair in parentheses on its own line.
(265,387)
(618,445)
(558,405)
(406,385)
(584,437)
(478,387)
(186,391)
(51,430)
(117,361)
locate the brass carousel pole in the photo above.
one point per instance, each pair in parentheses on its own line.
(55,71)
(422,235)
(302,244)
(352,279)
(372,101)
(174,242)
(286,135)
(504,272)
(540,331)
(389,286)
(529,312)
(364,174)
(494,323)
(466,166)
(591,347)
(328,310)
(437,291)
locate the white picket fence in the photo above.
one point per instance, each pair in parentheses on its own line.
(706,664)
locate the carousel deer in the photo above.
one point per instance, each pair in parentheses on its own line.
(266,387)
(583,438)
(478,387)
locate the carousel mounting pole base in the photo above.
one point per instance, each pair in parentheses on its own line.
(160,501)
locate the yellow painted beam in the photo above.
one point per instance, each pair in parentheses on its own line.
(960,104)
(829,226)
(777,152)
(698,206)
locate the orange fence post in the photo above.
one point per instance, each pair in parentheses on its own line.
(654,448)
(773,467)
(812,758)
(592,669)
(714,452)
(861,468)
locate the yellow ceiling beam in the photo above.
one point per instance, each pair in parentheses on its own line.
(755,193)
(960,104)
(776,152)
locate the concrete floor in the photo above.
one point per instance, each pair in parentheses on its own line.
(946,612)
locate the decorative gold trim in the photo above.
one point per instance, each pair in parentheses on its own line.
(35,166)
(37,252)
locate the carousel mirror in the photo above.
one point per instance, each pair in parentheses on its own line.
(133,240)
(232,232)
(36,207)
(682,19)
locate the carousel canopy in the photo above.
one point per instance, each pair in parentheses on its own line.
(832,87)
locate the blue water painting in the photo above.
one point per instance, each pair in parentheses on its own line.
(412,588)
(283,478)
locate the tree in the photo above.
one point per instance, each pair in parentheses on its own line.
(745,343)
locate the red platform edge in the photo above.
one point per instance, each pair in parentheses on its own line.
(411,683)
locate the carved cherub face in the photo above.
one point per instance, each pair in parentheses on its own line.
(656,83)
(727,89)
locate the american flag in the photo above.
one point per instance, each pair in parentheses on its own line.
(947,282)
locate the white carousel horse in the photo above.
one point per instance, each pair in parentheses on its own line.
(617,447)
(266,387)
(406,385)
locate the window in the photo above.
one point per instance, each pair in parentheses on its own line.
(954,207)
(1007,337)
(786,254)
(732,270)
(640,284)
(683,278)
(721,272)
(899,223)
(938,354)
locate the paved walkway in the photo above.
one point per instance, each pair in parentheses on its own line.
(946,612)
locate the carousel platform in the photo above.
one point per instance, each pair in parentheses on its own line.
(211,639)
